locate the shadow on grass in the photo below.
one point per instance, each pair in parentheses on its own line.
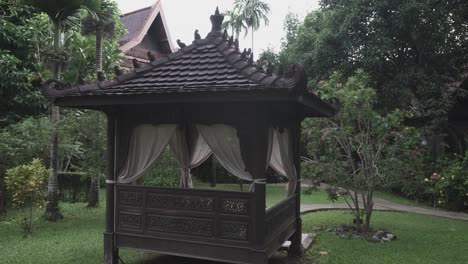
(277,258)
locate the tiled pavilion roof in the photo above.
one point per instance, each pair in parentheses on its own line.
(210,65)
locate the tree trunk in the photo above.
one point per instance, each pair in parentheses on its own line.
(52,212)
(93,199)
(252,41)
(99,34)
(2,195)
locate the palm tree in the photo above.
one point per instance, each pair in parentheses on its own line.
(234,22)
(62,14)
(252,13)
(101,23)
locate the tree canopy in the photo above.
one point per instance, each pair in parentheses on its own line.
(413,51)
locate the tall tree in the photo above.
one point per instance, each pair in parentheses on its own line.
(234,23)
(101,23)
(413,51)
(252,13)
(62,14)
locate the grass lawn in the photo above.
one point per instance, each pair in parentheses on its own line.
(78,238)
(275,194)
(421,239)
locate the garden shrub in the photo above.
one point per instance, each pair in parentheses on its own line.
(27,185)
(450,189)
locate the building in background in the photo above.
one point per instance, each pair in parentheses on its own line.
(146,31)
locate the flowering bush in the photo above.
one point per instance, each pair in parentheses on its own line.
(450,188)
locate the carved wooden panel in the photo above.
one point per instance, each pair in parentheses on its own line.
(280,216)
(235,206)
(234,230)
(130,221)
(181,225)
(129,198)
(180,202)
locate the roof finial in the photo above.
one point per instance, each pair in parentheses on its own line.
(216,20)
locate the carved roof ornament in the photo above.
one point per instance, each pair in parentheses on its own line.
(181,44)
(216,21)
(81,80)
(117,70)
(136,64)
(225,34)
(244,53)
(236,44)
(100,76)
(151,56)
(196,35)
(231,41)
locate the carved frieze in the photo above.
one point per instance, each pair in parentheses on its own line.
(181,225)
(234,230)
(129,198)
(196,203)
(130,221)
(235,206)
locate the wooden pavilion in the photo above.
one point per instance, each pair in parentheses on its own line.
(208,97)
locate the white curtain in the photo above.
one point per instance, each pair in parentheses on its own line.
(146,144)
(188,154)
(282,157)
(224,142)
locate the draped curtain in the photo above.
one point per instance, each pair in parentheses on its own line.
(282,157)
(189,151)
(224,142)
(146,145)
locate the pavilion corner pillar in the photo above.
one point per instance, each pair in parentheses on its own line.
(254,151)
(110,250)
(296,249)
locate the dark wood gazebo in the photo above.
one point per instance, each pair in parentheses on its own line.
(204,88)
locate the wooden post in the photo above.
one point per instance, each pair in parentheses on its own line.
(255,144)
(296,249)
(110,251)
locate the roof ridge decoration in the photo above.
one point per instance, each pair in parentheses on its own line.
(217,47)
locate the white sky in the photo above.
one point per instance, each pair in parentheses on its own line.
(184,16)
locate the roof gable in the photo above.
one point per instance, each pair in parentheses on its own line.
(139,22)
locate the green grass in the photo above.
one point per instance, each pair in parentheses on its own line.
(78,238)
(421,239)
(275,194)
(394,198)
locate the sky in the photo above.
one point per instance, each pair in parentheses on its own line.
(184,16)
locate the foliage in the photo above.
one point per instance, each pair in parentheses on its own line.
(82,61)
(26,184)
(252,13)
(165,172)
(357,145)
(451,187)
(247,14)
(23,35)
(234,23)
(413,51)
(268,59)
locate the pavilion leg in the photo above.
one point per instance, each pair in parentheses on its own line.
(296,249)
(111,254)
(110,250)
